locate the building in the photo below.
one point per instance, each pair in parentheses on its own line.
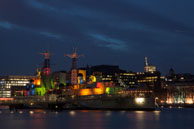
(128,79)
(109,74)
(179,88)
(180,93)
(112,75)
(172,77)
(107,71)
(10,84)
(150,79)
(149,68)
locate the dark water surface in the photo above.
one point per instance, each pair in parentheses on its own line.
(93,119)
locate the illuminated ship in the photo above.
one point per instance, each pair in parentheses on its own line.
(91,92)
(77,90)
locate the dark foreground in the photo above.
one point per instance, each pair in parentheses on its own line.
(174,118)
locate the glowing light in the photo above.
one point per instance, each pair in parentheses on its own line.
(157,113)
(76,87)
(100,85)
(39,73)
(6,99)
(98,91)
(169,101)
(31,112)
(93,78)
(33,92)
(46,71)
(20,112)
(28,86)
(83,72)
(180,101)
(80,80)
(72,113)
(189,101)
(139,112)
(139,100)
(108,90)
(40,91)
(85,92)
(37,82)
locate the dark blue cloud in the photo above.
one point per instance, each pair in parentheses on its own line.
(103,41)
(106,32)
(6,25)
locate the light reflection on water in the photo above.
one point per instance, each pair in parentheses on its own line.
(72,113)
(96,119)
(108,113)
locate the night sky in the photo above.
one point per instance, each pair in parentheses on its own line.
(116,32)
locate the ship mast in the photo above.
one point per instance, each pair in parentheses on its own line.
(74,57)
(46,70)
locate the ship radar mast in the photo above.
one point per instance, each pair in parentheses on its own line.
(74,57)
(46,70)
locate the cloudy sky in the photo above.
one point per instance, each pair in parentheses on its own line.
(117,32)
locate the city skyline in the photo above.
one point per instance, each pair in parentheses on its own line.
(113,33)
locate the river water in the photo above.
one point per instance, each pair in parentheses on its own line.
(174,118)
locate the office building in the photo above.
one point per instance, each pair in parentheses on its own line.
(10,84)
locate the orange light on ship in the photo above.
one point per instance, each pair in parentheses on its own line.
(100,85)
(169,101)
(6,99)
(189,101)
(37,82)
(84,92)
(98,91)
(75,87)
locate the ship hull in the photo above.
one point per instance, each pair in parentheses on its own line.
(116,104)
